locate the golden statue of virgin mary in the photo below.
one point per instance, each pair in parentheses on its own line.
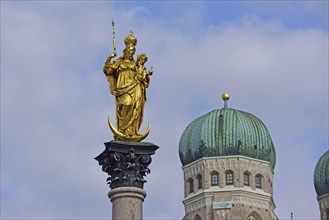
(128,80)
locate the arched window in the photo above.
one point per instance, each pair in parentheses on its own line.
(214,179)
(246,179)
(229,177)
(253,216)
(258,181)
(191,184)
(199,177)
(197,217)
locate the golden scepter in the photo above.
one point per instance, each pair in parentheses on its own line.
(114,41)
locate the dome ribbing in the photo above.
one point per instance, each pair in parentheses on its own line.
(321,175)
(226,132)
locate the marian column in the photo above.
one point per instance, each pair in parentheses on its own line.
(126,158)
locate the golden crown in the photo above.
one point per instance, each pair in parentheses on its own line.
(130,39)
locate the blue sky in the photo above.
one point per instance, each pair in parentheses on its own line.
(272,57)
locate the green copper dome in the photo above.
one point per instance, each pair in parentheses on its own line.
(321,175)
(226,132)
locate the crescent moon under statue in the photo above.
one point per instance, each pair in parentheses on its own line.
(120,136)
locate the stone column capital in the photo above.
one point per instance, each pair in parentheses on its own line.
(126,163)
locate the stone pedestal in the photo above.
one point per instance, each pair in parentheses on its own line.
(126,163)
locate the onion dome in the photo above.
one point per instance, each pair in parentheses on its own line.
(226,132)
(321,175)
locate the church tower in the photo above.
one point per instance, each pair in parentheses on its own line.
(321,184)
(228,161)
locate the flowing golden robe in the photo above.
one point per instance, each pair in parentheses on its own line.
(129,92)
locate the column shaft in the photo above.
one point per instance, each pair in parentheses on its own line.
(127,203)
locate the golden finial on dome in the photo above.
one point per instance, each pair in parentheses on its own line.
(225,97)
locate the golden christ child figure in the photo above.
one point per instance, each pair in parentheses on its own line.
(128,80)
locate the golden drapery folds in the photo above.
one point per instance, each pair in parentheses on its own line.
(128,80)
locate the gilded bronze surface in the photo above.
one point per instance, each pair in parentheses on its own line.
(225,96)
(128,80)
